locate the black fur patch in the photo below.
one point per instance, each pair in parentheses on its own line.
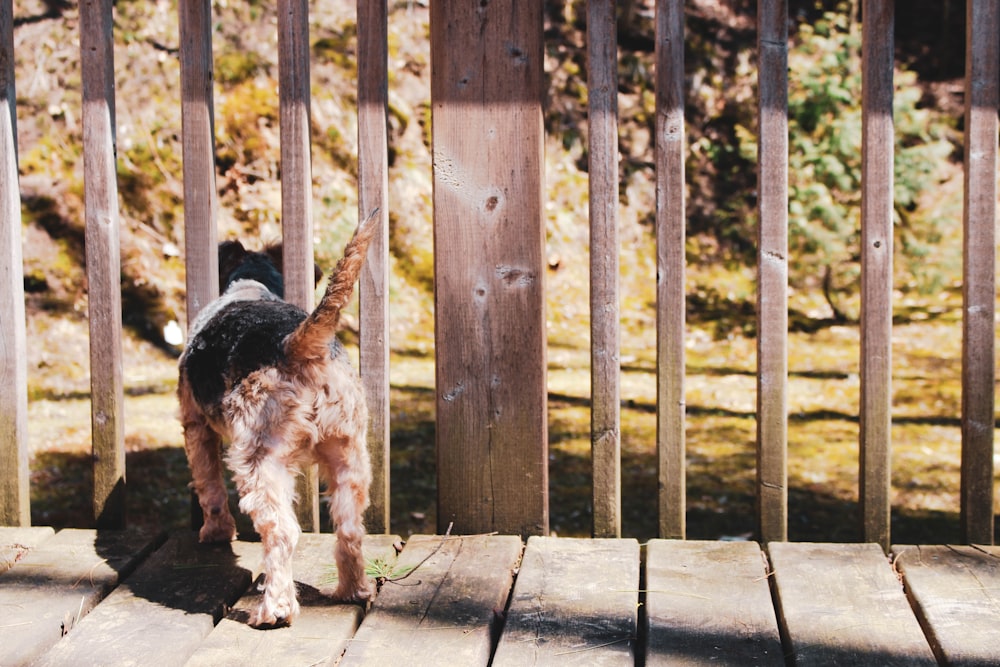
(242,338)
(256,266)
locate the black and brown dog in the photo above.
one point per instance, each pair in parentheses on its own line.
(276,384)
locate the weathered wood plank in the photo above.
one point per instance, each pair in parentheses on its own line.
(16,542)
(842,604)
(877,148)
(163,611)
(709,602)
(671,222)
(575,603)
(772,271)
(104,312)
(322,629)
(201,258)
(60,581)
(373,284)
(982,72)
(446,611)
(956,592)
(487,87)
(14,495)
(296,196)
(605,334)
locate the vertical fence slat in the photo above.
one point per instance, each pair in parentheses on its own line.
(979,294)
(876,268)
(103,262)
(772,266)
(296,194)
(373,187)
(14,495)
(198,143)
(671,221)
(605,343)
(487,87)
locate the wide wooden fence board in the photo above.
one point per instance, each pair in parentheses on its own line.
(709,602)
(165,609)
(59,582)
(321,631)
(956,594)
(843,604)
(487,88)
(447,610)
(575,603)
(15,542)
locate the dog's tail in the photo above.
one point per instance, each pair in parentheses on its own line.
(311,340)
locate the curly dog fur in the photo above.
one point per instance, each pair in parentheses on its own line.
(276,384)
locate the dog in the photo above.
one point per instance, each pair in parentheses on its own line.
(275,383)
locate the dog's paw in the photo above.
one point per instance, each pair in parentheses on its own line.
(221,528)
(359,592)
(274,611)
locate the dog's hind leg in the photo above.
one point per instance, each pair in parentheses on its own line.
(266,484)
(348,474)
(204,453)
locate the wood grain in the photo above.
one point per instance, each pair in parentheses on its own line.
(59,582)
(605,335)
(575,603)
(772,271)
(487,87)
(842,604)
(103,262)
(956,593)
(446,610)
(373,288)
(165,609)
(982,73)
(14,494)
(296,196)
(671,222)
(201,258)
(709,603)
(317,636)
(16,542)
(877,148)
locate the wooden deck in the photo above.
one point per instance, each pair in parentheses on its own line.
(78,597)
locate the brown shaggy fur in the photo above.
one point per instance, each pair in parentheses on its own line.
(276,384)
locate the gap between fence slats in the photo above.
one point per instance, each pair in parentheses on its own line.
(670,266)
(103,262)
(979,293)
(296,196)
(772,267)
(14,491)
(373,187)
(876,268)
(605,336)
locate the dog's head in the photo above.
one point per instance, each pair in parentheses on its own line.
(264,266)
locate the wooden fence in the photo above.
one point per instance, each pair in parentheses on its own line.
(487,96)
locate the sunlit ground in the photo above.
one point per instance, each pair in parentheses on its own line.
(823,391)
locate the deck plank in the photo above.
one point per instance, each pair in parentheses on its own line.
(956,591)
(446,610)
(60,581)
(843,604)
(709,602)
(162,612)
(16,541)
(575,602)
(322,629)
